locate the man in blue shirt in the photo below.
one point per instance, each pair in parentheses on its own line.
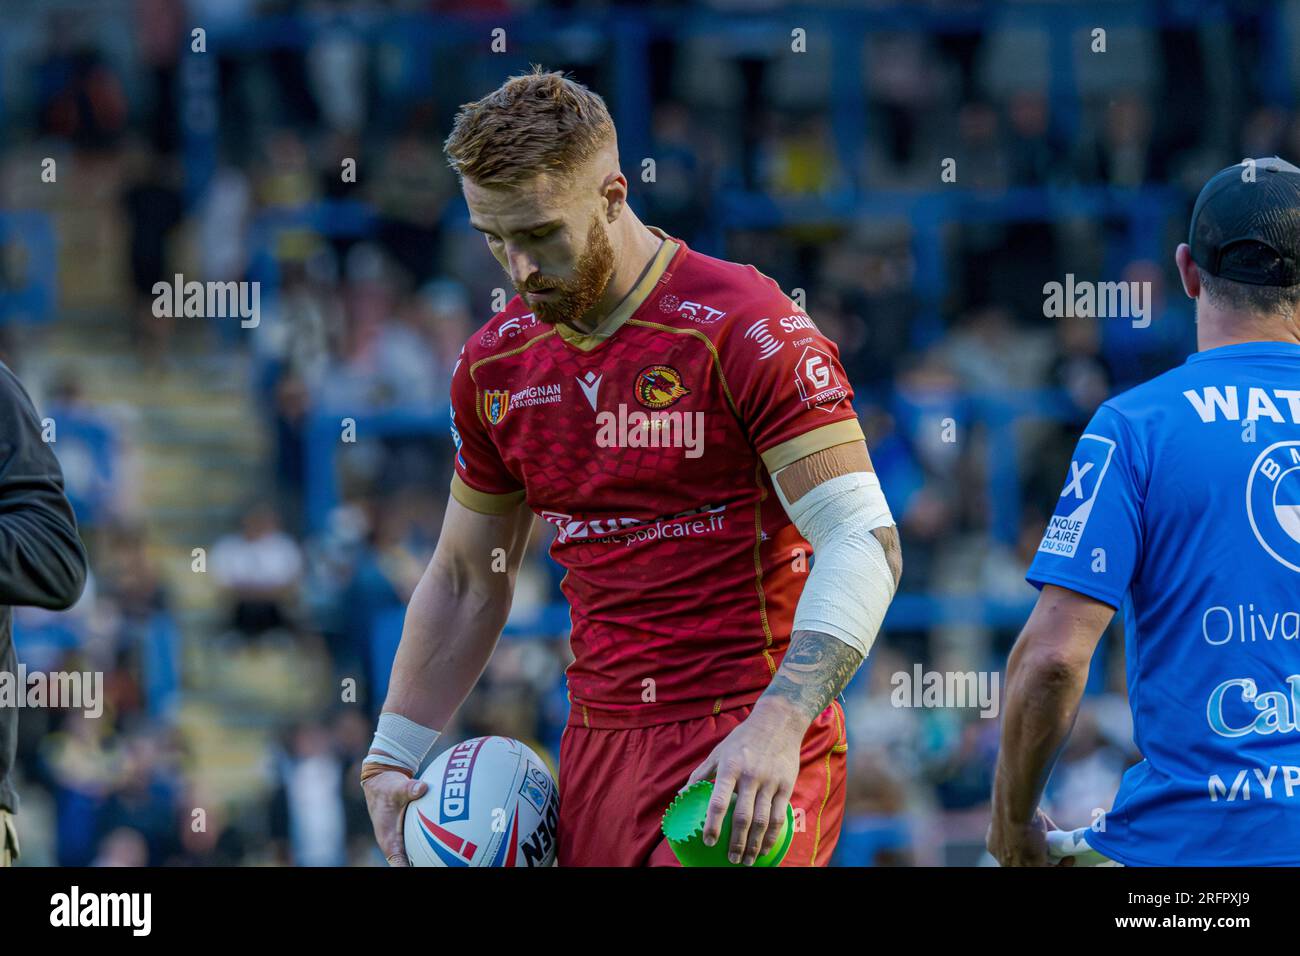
(1182,506)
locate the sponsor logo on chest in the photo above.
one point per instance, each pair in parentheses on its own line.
(658,386)
(695,311)
(499,402)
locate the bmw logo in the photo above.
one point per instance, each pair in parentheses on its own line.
(1273,501)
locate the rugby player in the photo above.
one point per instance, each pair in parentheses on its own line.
(1183,507)
(690,434)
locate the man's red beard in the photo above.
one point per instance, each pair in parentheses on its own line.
(575,297)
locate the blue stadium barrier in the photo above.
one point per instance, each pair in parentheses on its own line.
(42,641)
(1145,212)
(323,433)
(385,635)
(323,438)
(998,410)
(918,612)
(908,612)
(863,836)
(160,655)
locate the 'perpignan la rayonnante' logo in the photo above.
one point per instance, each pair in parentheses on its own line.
(1273,501)
(496,402)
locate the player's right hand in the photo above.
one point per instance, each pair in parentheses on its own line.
(1023,845)
(387,795)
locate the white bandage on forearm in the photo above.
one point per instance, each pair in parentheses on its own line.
(400,741)
(850,585)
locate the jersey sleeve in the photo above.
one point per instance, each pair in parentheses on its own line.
(1093,542)
(787,383)
(481,482)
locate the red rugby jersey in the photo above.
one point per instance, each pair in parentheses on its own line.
(649,444)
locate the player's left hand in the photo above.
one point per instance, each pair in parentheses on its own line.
(759,762)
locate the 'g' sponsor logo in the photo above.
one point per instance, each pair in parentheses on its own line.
(1087,469)
(658,386)
(496,402)
(1273,501)
(818,384)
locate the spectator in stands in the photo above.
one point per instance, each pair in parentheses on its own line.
(81,765)
(309,816)
(679,199)
(83,100)
(1034,157)
(410,191)
(259,570)
(353,730)
(207,838)
(407,367)
(144,799)
(122,847)
(448,322)
(1079,369)
(86,446)
(305,328)
(1123,152)
(152,202)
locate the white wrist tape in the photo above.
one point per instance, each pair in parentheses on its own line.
(850,585)
(402,741)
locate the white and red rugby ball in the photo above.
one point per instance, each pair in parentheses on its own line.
(491,802)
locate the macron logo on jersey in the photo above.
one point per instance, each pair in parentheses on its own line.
(590,385)
(1212,401)
(1087,470)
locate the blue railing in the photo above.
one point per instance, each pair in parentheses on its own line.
(997,410)
(323,440)
(1145,211)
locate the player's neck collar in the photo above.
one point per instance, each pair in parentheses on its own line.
(1262,347)
(586,341)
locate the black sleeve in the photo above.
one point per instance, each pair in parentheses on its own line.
(42,560)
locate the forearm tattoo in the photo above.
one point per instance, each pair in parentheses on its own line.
(814,671)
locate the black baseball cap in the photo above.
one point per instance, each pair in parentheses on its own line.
(1246,223)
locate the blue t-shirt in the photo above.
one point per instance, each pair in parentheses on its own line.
(1182,506)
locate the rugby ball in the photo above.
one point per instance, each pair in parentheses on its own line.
(491,802)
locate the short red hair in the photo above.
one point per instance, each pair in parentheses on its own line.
(534,123)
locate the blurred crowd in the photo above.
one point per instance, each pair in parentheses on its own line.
(371,287)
